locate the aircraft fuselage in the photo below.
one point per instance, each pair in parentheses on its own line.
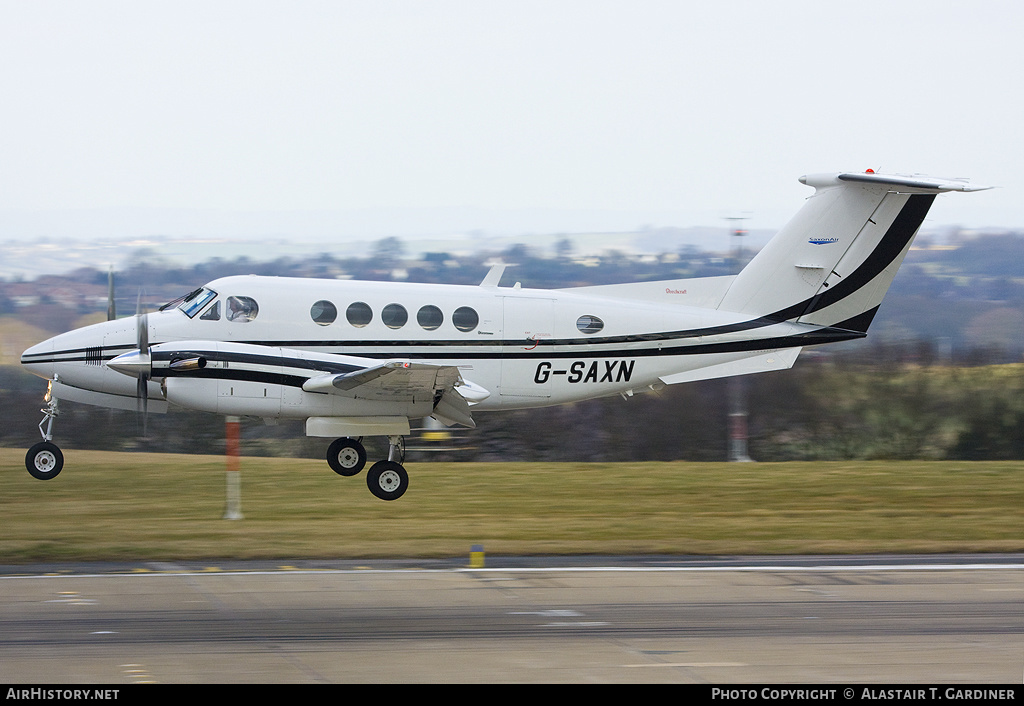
(525,347)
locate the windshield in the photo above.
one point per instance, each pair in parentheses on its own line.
(193,302)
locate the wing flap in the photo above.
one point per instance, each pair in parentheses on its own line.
(453,408)
(395,380)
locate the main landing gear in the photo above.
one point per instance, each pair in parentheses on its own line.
(388,480)
(44,460)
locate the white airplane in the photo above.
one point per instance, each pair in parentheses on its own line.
(357,359)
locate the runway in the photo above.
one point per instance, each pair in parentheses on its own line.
(835,620)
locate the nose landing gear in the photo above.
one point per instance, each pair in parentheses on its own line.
(44,460)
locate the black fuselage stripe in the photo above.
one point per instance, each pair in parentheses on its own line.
(238,374)
(765,344)
(819,336)
(900,233)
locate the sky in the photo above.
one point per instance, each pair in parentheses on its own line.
(395,117)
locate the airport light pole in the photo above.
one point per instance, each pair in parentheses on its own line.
(737,385)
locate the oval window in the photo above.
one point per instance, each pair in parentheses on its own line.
(394,316)
(323,312)
(359,314)
(429,317)
(465,318)
(242,309)
(589,324)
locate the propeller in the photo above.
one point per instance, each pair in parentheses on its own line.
(111,308)
(138,363)
(145,368)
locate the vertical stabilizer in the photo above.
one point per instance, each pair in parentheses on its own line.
(834,261)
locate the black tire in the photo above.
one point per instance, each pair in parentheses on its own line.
(346,457)
(44,460)
(387,480)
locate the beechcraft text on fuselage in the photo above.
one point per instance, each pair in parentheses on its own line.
(582,371)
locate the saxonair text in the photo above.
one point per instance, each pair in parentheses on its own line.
(931,693)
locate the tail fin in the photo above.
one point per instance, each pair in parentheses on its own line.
(832,264)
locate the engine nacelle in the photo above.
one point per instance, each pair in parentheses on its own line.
(247,398)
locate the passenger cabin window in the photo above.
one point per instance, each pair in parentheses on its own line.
(193,302)
(323,312)
(359,314)
(465,318)
(429,317)
(242,309)
(394,316)
(589,324)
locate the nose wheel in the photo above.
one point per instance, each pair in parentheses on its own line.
(44,460)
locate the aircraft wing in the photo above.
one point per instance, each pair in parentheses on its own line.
(439,387)
(395,381)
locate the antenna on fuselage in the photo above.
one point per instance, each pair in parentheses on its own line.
(494,274)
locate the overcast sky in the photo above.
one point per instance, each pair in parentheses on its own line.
(639,111)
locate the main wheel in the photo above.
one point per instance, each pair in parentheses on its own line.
(346,457)
(44,460)
(387,480)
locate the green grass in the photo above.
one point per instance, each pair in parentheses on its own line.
(115,506)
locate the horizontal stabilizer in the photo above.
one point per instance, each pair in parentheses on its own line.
(912,183)
(764,362)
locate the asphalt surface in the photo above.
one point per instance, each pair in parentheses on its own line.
(712,620)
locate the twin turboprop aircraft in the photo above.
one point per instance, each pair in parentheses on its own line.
(357,359)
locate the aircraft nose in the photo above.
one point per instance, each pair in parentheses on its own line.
(39,359)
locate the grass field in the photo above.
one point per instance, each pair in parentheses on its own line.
(117,506)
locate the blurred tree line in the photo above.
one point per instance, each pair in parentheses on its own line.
(939,376)
(826,408)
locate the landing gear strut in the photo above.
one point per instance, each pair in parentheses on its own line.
(44,460)
(388,480)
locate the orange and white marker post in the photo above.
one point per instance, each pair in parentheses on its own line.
(232,435)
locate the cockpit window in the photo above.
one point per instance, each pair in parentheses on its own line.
(242,309)
(212,314)
(193,302)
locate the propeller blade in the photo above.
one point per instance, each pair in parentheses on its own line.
(143,325)
(142,387)
(143,336)
(142,392)
(111,307)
